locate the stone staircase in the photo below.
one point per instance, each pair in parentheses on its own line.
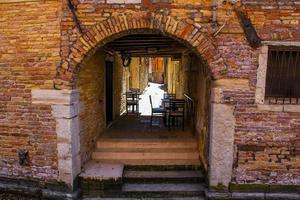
(147,151)
(150,182)
(163,181)
(144,169)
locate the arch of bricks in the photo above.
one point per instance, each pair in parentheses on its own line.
(121,25)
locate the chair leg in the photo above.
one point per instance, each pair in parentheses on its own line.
(151,120)
(169,123)
(183,123)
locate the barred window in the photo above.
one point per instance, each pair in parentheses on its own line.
(283,75)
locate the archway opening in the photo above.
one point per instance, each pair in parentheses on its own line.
(160,65)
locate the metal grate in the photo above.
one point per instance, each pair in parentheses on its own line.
(283,75)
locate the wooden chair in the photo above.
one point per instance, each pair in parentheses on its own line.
(132,100)
(166,105)
(176,113)
(157,112)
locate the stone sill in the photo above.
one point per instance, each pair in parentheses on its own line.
(279,108)
(123,1)
(17,1)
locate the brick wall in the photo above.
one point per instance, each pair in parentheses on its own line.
(29,56)
(32,47)
(91,85)
(119,86)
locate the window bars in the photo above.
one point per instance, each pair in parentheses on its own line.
(283,75)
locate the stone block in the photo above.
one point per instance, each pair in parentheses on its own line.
(17,1)
(291,108)
(247,196)
(54,97)
(124,1)
(64,128)
(65,111)
(221,143)
(267,107)
(232,84)
(282,196)
(64,150)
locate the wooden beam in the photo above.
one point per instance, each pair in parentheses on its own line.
(249,29)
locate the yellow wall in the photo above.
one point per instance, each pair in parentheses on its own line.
(138,73)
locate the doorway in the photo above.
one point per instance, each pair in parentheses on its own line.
(109,91)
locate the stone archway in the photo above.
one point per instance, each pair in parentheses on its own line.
(121,25)
(64,99)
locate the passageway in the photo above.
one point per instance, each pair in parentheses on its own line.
(156,92)
(121,129)
(144,65)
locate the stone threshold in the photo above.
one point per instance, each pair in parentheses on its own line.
(37,190)
(210,195)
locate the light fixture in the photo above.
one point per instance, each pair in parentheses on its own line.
(126,58)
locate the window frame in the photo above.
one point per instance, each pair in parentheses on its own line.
(260,97)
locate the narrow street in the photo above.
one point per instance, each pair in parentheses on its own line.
(156,92)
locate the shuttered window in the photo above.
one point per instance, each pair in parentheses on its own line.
(283,75)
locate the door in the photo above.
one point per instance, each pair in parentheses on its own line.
(109,92)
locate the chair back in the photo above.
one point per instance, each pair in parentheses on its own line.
(131,96)
(134,90)
(150,101)
(169,96)
(177,106)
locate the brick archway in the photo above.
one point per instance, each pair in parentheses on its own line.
(121,25)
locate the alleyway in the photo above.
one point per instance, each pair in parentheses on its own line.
(156,92)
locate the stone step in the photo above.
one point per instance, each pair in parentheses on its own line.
(163,176)
(149,154)
(162,190)
(146,143)
(150,150)
(184,167)
(172,198)
(150,162)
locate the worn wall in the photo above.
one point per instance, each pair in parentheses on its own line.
(172,75)
(266,141)
(125,88)
(197,86)
(138,72)
(29,57)
(118,85)
(91,86)
(193,79)
(157,70)
(135,73)
(144,73)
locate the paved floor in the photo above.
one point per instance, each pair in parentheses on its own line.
(138,127)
